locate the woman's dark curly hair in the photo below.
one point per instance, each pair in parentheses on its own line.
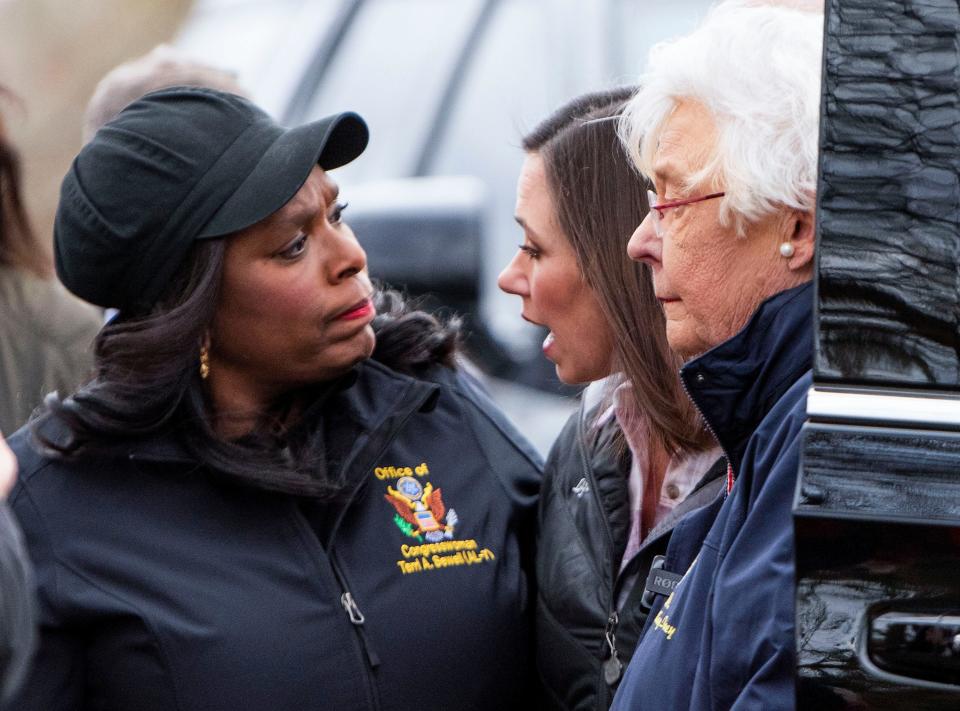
(411,341)
(147,382)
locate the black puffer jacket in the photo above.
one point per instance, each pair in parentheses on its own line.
(584,522)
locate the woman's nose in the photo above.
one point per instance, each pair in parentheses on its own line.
(512,279)
(644,245)
(350,258)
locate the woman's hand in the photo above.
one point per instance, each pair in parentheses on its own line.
(8,468)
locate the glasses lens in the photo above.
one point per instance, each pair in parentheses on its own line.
(654,214)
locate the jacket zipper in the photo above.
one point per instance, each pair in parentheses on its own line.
(347,601)
(349,604)
(612,666)
(353,610)
(356,617)
(380,449)
(730,473)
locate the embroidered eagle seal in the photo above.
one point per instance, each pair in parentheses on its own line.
(422,509)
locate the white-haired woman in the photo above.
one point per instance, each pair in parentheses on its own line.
(725,126)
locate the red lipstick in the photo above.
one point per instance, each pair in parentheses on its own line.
(359,310)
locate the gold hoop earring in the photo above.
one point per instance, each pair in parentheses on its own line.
(204,362)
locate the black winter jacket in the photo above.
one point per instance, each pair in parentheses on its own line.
(163,589)
(584,523)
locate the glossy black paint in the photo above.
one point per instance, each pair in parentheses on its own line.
(850,572)
(877,524)
(889,195)
(877,514)
(881,473)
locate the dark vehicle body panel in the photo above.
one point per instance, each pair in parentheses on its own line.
(877,515)
(889,196)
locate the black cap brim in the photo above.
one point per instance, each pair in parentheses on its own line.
(330,143)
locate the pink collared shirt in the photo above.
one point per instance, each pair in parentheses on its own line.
(683,473)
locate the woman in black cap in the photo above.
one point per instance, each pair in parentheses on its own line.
(243,509)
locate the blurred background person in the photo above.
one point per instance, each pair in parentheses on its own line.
(243,509)
(17,628)
(161,67)
(725,125)
(46,334)
(52,54)
(630,462)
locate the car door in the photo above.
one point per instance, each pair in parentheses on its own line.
(877,511)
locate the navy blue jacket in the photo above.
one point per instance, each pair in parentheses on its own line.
(725,637)
(164,589)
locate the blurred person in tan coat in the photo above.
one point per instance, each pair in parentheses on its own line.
(45,332)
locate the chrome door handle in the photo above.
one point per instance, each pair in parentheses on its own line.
(917,645)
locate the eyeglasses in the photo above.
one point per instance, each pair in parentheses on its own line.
(656,211)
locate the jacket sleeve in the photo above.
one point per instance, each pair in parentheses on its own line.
(54,681)
(17,632)
(753,647)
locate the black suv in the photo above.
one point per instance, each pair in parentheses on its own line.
(877,514)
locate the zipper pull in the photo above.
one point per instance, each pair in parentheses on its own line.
(357,618)
(613,667)
(353,610)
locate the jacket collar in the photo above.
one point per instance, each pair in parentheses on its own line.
(168,446)
(736,383)
(359,395)
(379,393)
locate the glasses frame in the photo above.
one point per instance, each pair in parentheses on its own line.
(656,210)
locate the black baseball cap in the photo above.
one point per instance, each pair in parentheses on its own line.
(176,166)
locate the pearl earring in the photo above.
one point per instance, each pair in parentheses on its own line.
(786,250)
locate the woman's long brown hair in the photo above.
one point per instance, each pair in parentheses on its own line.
(19,246)
(600,200)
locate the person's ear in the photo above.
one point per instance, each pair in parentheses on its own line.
(799,244)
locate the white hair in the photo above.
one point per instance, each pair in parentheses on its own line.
(756,68)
